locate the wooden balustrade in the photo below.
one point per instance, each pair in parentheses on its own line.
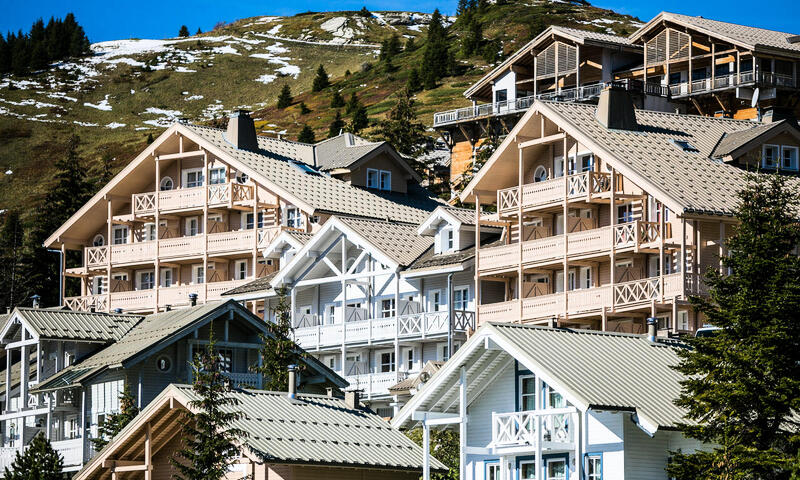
(218,194)
(548,192)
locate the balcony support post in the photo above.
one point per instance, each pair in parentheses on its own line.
(721,246)
(255,230)
(565,261)
(613,212)
(397,324)
(683,263)
(148,453)
(713,65)
(462,426)
(539,404)
(738,68)
(666,65)
(8,380)
(697,253)
(478,257)
(205,227)
(109,243)
(426,449)
(689,80)
(23,376)
(520,226)
(661,257)
(535,69)
(157,266)
(577,72)
(344,304)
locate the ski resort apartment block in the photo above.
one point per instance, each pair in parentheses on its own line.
(674,63)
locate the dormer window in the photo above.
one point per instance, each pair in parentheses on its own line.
(789,157)
(448,237)
(379,179)
(769,156)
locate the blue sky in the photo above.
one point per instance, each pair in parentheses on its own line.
(110,19)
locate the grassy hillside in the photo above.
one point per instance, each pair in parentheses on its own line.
(131,89)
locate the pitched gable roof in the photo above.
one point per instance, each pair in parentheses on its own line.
(399,241)
(71,325)
(731,143)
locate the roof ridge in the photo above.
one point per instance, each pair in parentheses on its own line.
(726,23)
(633,336)
(671,114)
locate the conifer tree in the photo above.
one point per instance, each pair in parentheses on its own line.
(278,350)
(12,268)
(336,100)
(208,434)
(285,97)
(117,421)
(199,31)
(321,81)
(402,129)
(336,125)
(435,61)
(306,135)
(389,48)
(410,45)
(742,384)
(304,110)
(413,83)
(352,104)
(184,31)
(360,120)
(150,138)
(38,462)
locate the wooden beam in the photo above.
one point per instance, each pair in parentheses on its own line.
(175,156)
(543,140)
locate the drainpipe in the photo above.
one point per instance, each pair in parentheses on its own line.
(651,329)
(451,315)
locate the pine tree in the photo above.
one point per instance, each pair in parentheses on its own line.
(184,31)
(336,100)
(198,31)
(285,97)
(742,384)
(5,56)
(360,120)
(12,238)
(364,12)
(306,135)
(278,351)
(39,462)
(106,170)
(410,45)
(435,59)
(336,125)
(389,48)
(444,444)
(321,81)
(208,434)
(304,110)
(472,40)
(402,129)
(352,104)
(117,421)
(413,83)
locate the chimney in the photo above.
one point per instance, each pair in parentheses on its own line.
(329,391)
(292,394)
(193,299)
(91,309)
(615,109)
(652,323)
(352,398)
(167,307)
(35,300)
(242,131)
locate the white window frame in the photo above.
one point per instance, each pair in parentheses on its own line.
(441,351)
(166,277)
(683,320)
(150,232)
(198,175)
(409,359)
(140,274)
(373,178)
(98,285)
(434,305)
(795,151)
(584,277)
(390,310)
(522,395)
(463,291)
(775,156)
(556,460)
(598,475)
(581,156)
(217,175)
(294,218)
(187,230)
(449,237)
(166,184)
(330,313)
(197,270)
(379,179)
(238,273)
(99,240)
(119,228)
(492,470)
(249,223)
(526,462)
(379,363)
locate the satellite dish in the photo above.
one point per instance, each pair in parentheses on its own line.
(754,100)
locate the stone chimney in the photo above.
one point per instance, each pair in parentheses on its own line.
(242,131)
(352,398)
(615,109)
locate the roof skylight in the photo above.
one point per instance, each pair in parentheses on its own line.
(685,146)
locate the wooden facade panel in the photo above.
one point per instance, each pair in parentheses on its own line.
(461,159)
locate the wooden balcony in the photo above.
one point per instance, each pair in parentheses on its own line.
(237,241)
(522,431)
(144,300)
(374,384)
(633,236)
(591,300)
(182,199)
(582,186)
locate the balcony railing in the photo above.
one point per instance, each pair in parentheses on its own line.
(70,450)
(145,299)
(311,334)
(374,384)
(767,79)
(244,380)
(587,300)
(188,246)
(218,194)
(522,429)
(584,184)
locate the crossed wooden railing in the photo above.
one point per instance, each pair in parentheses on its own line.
(214,194)
(522,428)
(584,184)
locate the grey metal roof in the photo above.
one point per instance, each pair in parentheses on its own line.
(464,215)
(397,240)
(405,385)
(731,142)
(605,370)
(430,260)
(694,180)
(342,151)
(320,430)
(257,285)
(67,324)
(301,237)
(321,191)
(751,37)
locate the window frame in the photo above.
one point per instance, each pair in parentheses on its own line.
(796,153)
(237,269)
(294,217)
(102,242)
(163,183)
(491,465)
(775,155)
(375,179)
(589,457)
(521,396)
(434,304)
(540,174)
(463,290)
(197,270)
(152,282)
(214,177)
(119,228)
(164,281)
(187,229)
(383,366)
(195,183)
(391,310)
(150,232)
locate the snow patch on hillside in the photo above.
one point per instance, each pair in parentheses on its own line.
(102,105)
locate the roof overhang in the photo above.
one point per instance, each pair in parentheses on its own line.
(764,137)
(431,224)
(279,244)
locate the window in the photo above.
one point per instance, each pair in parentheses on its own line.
(387,362)
(492,471)
(193,178)
(120,233)
(240,271)
(769,156)
(147,280)
(164,363)
(540,174)
(225,356)
(625,213)
(683,320)
(248,220)
(409,358)
(98,240)
(554,399)
(442,353)
(437,302)
(198,274)
(654,210)
(166,184)
(460,298)
(663,322)
(98,285)
(293,218)
(527,470)
(387,308)
(330,314)
(527,392)
(217,175)
(583,163)
(241,178)
(789,158)
(585,277)
(192,227)
(379,179)
(166,277)
(448,238)
(149,232)
(557,469)
(594,466)
(72,427)
(501,95)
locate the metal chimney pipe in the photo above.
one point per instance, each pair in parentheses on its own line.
(36,299)
(292,393)
(652,323)
(193,299)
